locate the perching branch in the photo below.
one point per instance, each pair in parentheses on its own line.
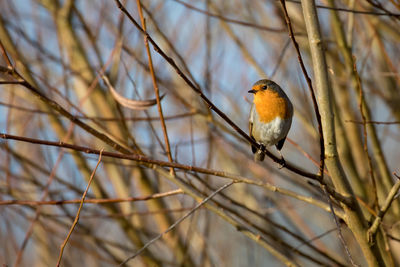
(153,162)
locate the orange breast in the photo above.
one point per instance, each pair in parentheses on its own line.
(269,105)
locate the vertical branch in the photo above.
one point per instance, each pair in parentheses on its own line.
(207,71)
(355,219)
(156,90)
(361,107)
(310,87)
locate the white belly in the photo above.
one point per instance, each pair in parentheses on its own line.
(270,133)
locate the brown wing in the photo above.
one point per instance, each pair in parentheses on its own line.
(253,148)
(279,145)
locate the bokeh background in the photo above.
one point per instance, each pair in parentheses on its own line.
(223,47)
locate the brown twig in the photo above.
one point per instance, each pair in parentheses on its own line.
(359,12)
(79,211)
(302,151)
(89,201)
(385,207)
(5,56)
(156,90)
(361,107)
(126,215)
(111,119)
(379,6)
(238,22)
(373,122)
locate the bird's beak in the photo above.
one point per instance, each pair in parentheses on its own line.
(252,91)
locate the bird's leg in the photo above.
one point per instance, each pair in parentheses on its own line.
(259,155)
(282,162)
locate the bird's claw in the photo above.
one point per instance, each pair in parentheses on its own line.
(282,163)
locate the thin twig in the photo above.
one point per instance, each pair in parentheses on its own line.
(111,119)
(79,210)
(280,58)
(156,90)
(339,228)
(385,207)
(5,56)
(361,107)
(92,201)
(309,241)
(234,21)
(177,222)
(302,151)
(10,82)
(378,5)
(373,122)
(393,237)
(359,12)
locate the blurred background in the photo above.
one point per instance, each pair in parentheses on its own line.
(223,47)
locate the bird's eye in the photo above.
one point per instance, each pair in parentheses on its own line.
(264,87)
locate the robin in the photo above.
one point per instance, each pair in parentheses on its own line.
(270,116)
